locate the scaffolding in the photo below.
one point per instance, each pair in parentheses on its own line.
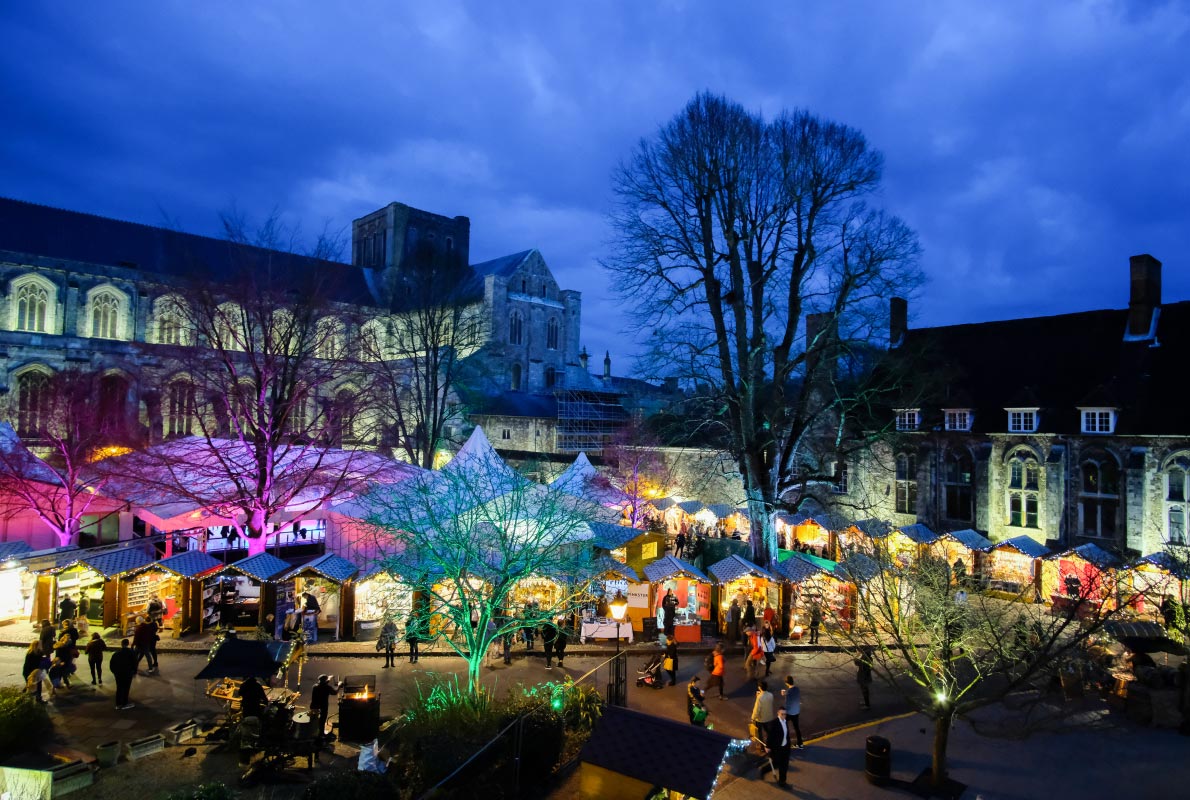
(588,419)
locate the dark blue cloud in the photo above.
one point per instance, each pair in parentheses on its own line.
(1033,146)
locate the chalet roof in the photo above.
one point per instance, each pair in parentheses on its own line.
(606,565)
(188,564)
(668,567)
(333,567)
(874,528)
(262,566)
(663,503)
(611,537)
(1077,360)
(658,751)
(54,233)
(1089,552)
(735,567)
(691,506)
(1024,544)
(858,568)
(919,533)
(723,510)
(16,548)
(117,562)
(971,539)
(798,567)
(1164,562)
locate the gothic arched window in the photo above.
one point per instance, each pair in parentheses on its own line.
(906,483)
(551,377)
(516,377)
(33,403)
(105,316)
(179,408)
(551,334)
(957,483)
(1024,490)
(33,302)
(516,328)
(1176,475)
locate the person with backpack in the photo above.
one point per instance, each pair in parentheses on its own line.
(714,662)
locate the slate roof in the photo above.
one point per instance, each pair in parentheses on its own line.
(874,528)
(189,564)
(735,567)
(606,565)
(504,266)
(803,566)
(691,506)
(330,566)
(1024,544)
(117,562)
(262,566)
(610,537)
(10,549)
(722,510)
(919,533)
(667,567)
(54,233)
(1077,360)
(858,568)
(971,539)
(1089,552)
(662,503)
(1164,562)
(515,404)
(657,751)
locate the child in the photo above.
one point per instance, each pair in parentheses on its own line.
(59,675)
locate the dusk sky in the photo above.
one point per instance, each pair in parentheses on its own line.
(1033,146)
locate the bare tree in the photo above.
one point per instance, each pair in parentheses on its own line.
(634,470)
(950,653)
(412,357)
(467,535)
(732,231)
(261,401)
(65,417)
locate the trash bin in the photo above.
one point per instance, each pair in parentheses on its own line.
(878,760)
(107,754)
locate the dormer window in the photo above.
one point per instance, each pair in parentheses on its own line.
(1099,420)
(908,419)
(958,419)
(1022,420)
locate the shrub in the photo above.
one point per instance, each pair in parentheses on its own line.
(352,785)
(24,722)
(205,791)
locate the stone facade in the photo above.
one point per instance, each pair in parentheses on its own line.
(1107,457)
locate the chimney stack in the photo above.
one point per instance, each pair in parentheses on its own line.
(607,364)
(1145,296)
(898,321)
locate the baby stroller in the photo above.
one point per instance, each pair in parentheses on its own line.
(650,673)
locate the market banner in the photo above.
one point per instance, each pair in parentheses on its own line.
(683,593)
(703,592)
(638,595)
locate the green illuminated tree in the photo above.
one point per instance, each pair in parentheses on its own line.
(465,536)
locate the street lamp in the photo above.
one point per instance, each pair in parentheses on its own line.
(618,690)
(618,606)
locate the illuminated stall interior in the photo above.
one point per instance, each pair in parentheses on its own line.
(16,583)
(244,592)
(379,595)
(328,579)
(737,577)
(1011,565)
(1154,578)
(93,581)
(725,518)
(799,531)
(546,593)
(610,577)
(692,589)
(178,582)
(812,581)
(967,546)
(1085,571)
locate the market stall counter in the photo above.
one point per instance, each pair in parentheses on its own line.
(177,582)
(605,629)
(738,578)
(316,590)
(1013,566)
(243,593)
(691,588)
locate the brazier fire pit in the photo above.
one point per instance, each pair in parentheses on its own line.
(359,708)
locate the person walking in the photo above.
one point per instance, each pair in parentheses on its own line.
(122,665)
(388,642)
(413,636)
(670,663)
(156,609)
(669,610)
(749,615)
(561,639)
(548,635)
(680,545)
(144,641)
(47,636)
(791,697)
(754,655)
(529,631)
(95,650)
(718,669)
(695,700)
(815,622)
(777,735)
(320,700)
(768,649)
(863,675)
(763,711)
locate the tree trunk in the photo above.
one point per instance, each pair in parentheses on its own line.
(256,544)
(941,738)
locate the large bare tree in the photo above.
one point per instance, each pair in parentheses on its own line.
(412,356)
(731,232)
(66,418)
(261,399)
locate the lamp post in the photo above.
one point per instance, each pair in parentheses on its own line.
(617,690)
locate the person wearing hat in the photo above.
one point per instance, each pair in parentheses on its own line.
(320,700)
